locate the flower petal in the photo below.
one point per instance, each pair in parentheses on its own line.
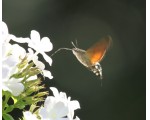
(35,40)
(6,49)
(15,88)
(39,64)
(63,95)
(30,54)
(29,116)
(4,32)
(18,51)
(19,39)
(49,103)
(47,74)
(61,109)
(46,45)
(74,104)
(35,36)
(47,58)
(11,61)
(5,72)
(55,91)
(43,114)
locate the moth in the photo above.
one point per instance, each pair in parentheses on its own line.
(91,57)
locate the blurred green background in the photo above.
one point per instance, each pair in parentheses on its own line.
(123,94)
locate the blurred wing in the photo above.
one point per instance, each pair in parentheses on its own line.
(98,50)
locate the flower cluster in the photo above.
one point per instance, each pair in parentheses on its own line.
(20,68)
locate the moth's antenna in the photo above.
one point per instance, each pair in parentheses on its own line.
(73,44)
(77,43)
(59,50)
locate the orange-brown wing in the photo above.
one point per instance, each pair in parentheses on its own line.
(98,50)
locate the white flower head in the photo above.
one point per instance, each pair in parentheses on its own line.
(53,109)
(72,105)
(12,85)
(40,45)
(58,107)
(29,116)
(11,57)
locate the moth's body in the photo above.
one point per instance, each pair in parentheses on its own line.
(82,56)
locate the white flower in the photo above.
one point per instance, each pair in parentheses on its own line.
(13,52)
(58,107)
(41,46)
(72,105)
(54,109)
(39,64)
(10,58)
(29,116)
(12,85)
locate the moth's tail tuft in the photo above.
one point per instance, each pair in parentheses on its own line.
(97,70)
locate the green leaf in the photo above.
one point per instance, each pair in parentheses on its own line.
(20,104)
(6,96)
(9,108)
(7,117)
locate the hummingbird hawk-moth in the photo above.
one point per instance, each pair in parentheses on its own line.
(92,57)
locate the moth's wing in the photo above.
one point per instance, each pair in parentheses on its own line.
(98,50)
